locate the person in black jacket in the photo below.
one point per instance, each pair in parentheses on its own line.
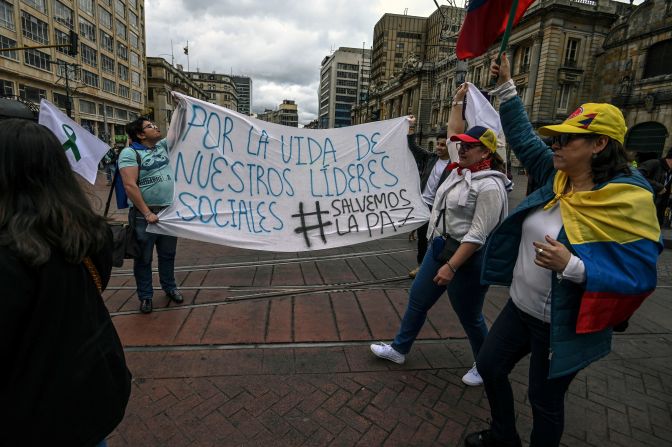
(433,164)
(659,174)
(65,380)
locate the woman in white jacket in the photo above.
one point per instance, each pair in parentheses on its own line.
(468,206)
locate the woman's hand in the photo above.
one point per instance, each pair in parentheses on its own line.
(444,275)
(152,218)
(553,255)
(501,71)
(461,92)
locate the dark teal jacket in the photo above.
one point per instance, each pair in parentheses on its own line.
(569,351)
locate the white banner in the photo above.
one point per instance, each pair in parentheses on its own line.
(251,184)
(83,149)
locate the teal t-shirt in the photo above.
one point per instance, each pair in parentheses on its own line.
(156,177)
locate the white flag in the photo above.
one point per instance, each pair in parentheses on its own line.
(479,112)
(83,149)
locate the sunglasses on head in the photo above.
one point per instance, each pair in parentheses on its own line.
(150,125)
(564,138)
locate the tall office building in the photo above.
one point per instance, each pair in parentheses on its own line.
(104,83)
(396,38)
(220,88)
(344,82)
(244,88)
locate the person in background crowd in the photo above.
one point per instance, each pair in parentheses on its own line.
(149,184)
(579,253)
(433,172)
(65,380)
(659,174)
(467,207)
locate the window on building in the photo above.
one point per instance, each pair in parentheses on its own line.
(120,113)
(62,69)
(87,106)
(150,94)
(88,6)
(522,90)
(90,78)
(133,4)
(136,96)
(658,58)
(563,103)
(107,63)
(40,5)
(6,42)
(133,19)
(477,76)
(120,8)
(122,51)
(106,41)
(34,28)
(61,100)
(37,59)
(135,60)
(87,29)
(571,52)
(32,94)
(7,15)
(63,14)
(63,39)
(120,29)
(134,40)
(89,55)
(105,18)
(122,71)
(109,86)
(135,79)
(6,88)
(524,63)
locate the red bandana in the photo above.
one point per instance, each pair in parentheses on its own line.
(480,166)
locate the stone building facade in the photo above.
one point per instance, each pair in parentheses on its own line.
(563,53)
(106,79)
(635,73)
(162,79)
(220,88)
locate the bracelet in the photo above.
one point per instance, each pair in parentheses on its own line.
(457,103)
(450,266)
(147,214)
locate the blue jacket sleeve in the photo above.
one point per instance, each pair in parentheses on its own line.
(526,144)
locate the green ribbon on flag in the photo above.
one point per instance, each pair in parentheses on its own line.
(507,31)
(70,144)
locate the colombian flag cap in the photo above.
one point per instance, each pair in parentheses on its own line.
(480,135)
(601,119)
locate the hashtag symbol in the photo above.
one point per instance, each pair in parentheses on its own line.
(305,229)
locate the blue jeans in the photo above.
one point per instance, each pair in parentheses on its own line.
(466,296)
(514,335)
(142,266)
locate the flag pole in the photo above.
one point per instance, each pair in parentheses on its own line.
(507,32)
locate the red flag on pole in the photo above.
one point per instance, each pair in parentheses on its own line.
(486,20)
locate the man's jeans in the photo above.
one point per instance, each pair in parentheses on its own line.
(142,266)
(513,335)
(466,295)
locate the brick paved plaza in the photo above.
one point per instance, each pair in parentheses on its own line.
(273,349)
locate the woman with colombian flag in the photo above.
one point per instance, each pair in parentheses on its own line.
(579,254)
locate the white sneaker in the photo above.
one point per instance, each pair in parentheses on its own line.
(472,377)
(385,351)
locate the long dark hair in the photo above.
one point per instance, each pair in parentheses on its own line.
(611,161)
(42,206)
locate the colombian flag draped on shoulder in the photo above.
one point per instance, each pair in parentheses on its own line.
(615,232)
(486,20)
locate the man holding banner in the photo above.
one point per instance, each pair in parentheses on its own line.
(149,184)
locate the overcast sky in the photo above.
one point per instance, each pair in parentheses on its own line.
(279,44)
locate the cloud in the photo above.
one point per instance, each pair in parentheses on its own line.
(280,45)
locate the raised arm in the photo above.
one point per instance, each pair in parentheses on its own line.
(419,153)
(520,135)
(456,123)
